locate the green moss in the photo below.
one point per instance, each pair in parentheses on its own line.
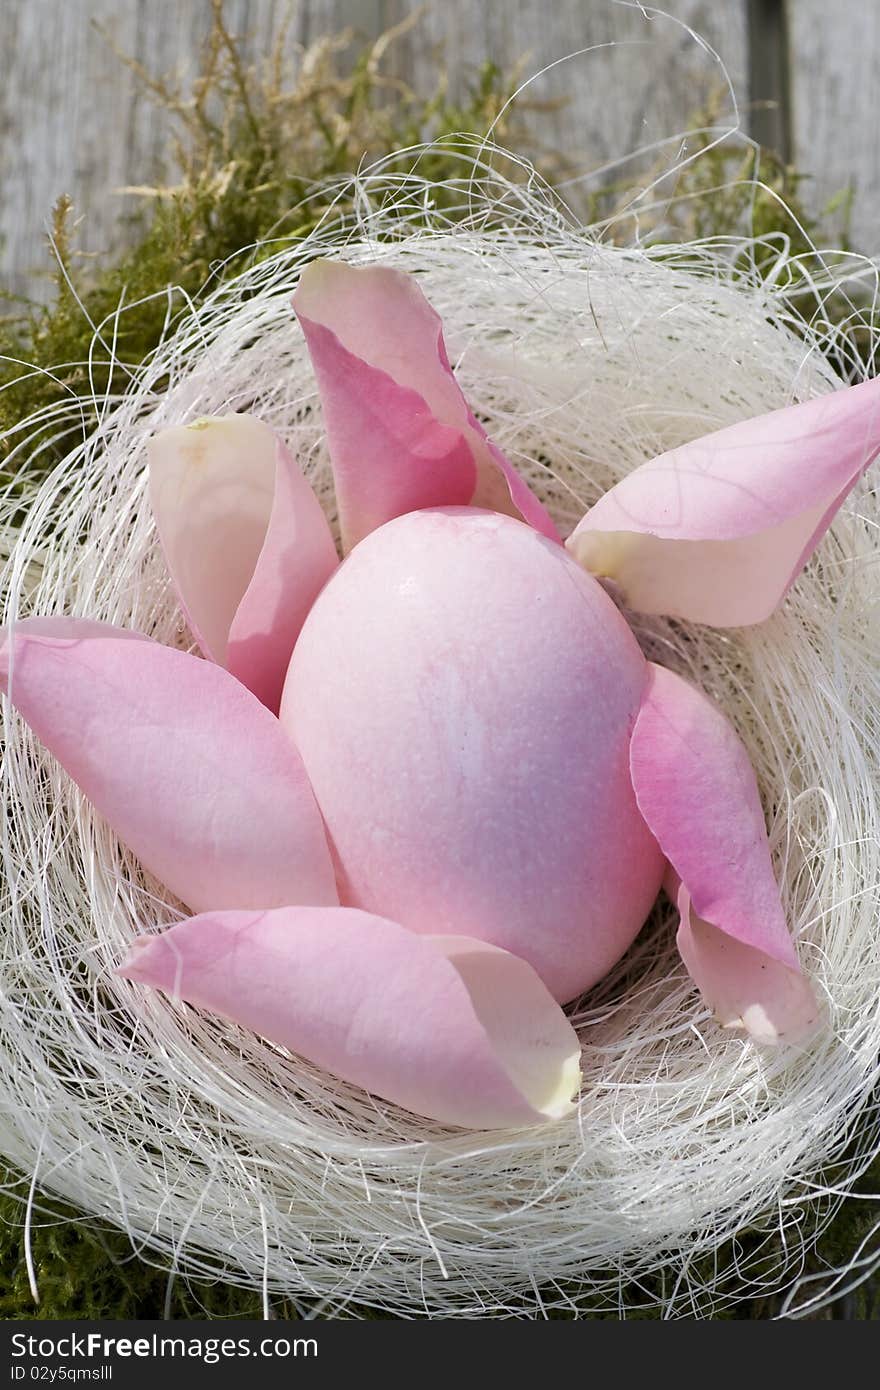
(249,147)
(85,1271)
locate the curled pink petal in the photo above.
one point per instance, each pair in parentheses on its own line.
(718,530)
(697,791)
(245,539)
(447,1027)
(401,434)
(746,989)
(192,772)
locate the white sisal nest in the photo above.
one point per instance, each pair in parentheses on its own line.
(218,1152)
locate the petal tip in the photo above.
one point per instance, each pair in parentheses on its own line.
(141,961)
(748,991)
(320,269)
(791,1019)
(563,1100)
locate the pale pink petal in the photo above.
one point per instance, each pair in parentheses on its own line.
(193,773)
(446,1026)
(245,539)
(718,530)
(697,791)
(745,988)
(400,432)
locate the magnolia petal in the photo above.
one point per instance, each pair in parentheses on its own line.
(245,539)
(745,988)
(697,791)
(446,1026)
(401,435)
(192,772)
(718,530)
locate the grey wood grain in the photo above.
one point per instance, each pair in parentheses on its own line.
(73,118)
(636,78)
(835,83)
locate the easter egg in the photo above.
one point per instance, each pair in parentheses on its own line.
(462,695)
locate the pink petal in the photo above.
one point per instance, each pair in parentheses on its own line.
(745,988)
(697,791)
(401,434)
(718,530)
(192,772)
(444,1025)
(246,542)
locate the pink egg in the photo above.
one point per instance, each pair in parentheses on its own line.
(462,695)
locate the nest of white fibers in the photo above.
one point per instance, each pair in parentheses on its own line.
(223,1155)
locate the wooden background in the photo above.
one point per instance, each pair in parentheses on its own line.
(806,74)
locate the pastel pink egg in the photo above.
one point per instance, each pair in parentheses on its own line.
(462,695)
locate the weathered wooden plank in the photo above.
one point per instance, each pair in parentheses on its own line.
(73,118)
(645,78)
(835,82)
